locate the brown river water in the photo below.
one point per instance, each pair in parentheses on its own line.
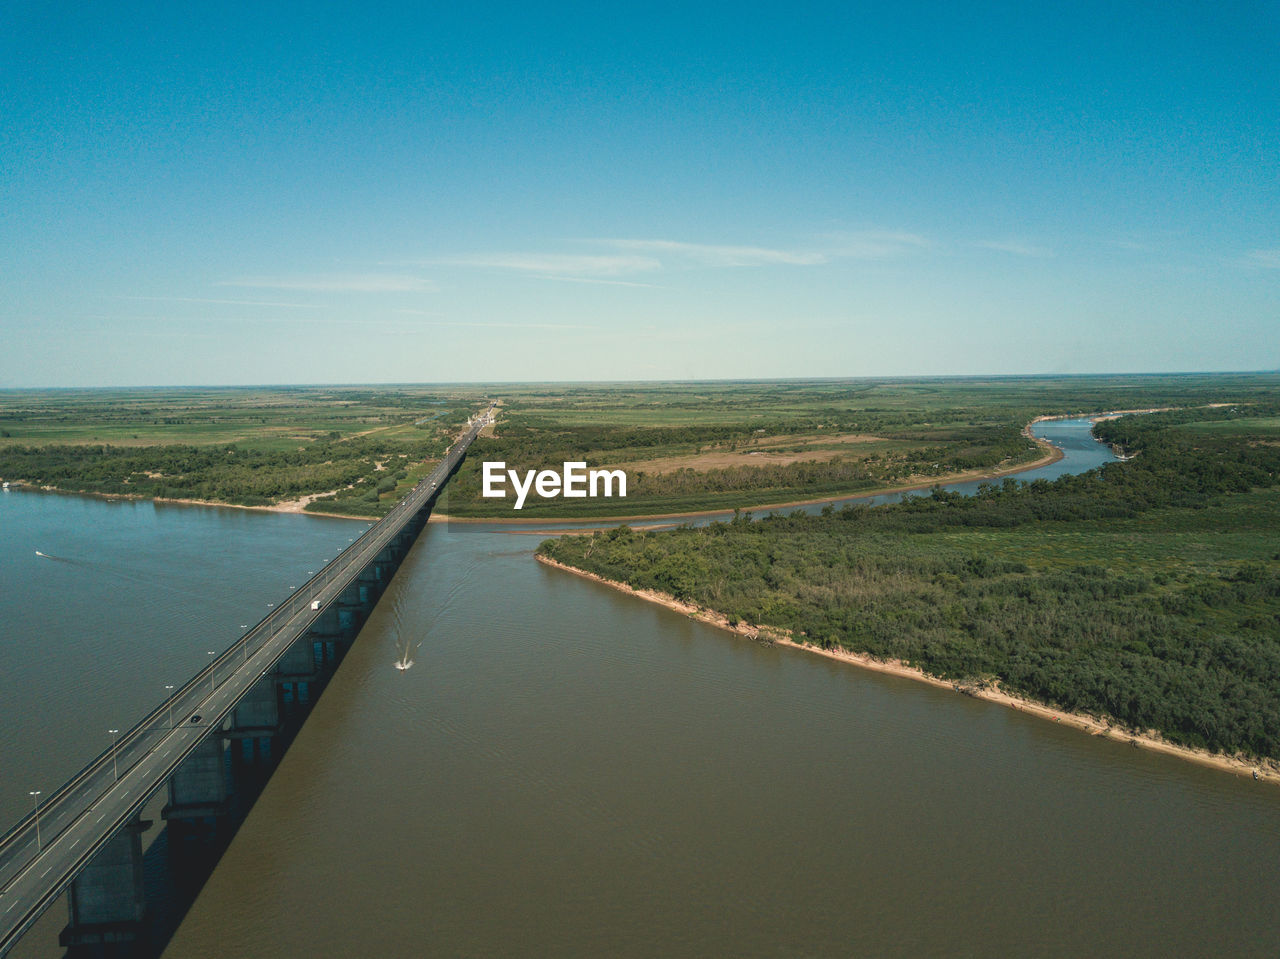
(569,771)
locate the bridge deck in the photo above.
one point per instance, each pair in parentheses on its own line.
(40,858)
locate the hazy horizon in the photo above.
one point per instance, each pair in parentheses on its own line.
(376,384)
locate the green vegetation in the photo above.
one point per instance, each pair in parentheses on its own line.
(717,446)
(686,447)
(362,448)
(1146,591)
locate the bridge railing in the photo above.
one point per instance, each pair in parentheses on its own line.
(362,550)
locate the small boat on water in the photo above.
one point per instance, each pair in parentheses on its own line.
(45,555)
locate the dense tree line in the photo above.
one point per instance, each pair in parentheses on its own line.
(227,474)
(1193,652)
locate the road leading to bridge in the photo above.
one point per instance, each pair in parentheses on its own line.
(45,851)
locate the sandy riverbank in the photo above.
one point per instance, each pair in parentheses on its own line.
(297,506)
(1099,417)
(1268,770)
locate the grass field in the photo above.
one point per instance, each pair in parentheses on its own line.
(686,446)
(241,446)
(1264,428)
(711,446)
(267,419)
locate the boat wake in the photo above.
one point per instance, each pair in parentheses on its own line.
(405,647)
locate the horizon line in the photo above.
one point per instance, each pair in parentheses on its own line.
(608,382)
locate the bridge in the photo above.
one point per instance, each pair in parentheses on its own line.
(85,837)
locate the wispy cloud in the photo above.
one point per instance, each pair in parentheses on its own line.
(716,255)
(1015,248)
(336,283)
(1266,259)
(559,265)
(632,257)
(651,255)
(496,325)
(844,246)
(595,280)
(876,244)
(205,299)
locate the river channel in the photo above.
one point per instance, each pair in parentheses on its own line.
(569,771)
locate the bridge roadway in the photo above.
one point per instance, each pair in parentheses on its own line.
(40,857)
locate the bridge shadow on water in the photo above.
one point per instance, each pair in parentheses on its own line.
(181,858)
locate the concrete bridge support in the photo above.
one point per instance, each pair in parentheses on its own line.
(198,789)
(328,623)
(257,709)
(353,597)
(296,670)
(372,583)
(299,663)
(349,621)
(106,902)
(255,723)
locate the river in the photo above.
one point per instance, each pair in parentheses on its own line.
(570,771)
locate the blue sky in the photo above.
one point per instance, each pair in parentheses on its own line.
(424,193)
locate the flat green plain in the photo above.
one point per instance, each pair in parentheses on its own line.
(690,446)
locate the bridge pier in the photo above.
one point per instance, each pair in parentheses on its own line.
(353,597)
(106,901)
(198,791)
(257,710)
(299,663)
(349,621)
(327,624)
(255,723)
(371,583)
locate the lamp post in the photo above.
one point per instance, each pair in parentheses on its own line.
(35,804)
(115,766)
(168,688)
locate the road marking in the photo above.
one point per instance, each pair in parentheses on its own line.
(102,817)
(11,905)
(75,843)
(46,872)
